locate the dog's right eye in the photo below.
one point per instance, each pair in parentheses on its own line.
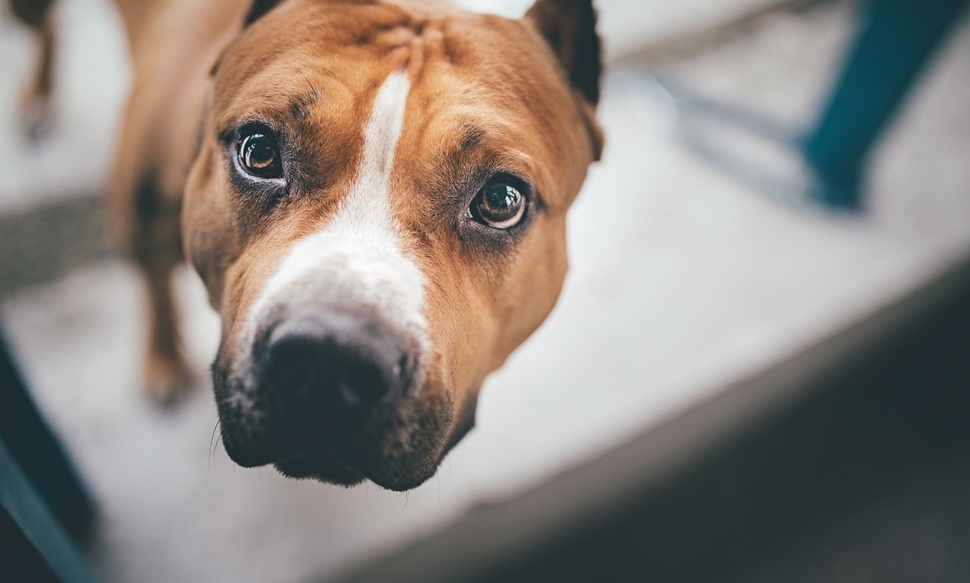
(258,152)
(499,204)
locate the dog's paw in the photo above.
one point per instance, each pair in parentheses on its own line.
(167,379)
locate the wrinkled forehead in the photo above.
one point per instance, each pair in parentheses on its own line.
(469,74)
(334,34)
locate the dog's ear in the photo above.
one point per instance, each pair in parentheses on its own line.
(258,9)
(569,26)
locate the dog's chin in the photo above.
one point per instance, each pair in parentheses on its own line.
(311,467)
(398,449)
(331,470)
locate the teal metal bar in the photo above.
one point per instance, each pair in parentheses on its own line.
(27,509)
(30,441)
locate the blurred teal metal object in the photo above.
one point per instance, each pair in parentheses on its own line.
(39,453)
(896,39)
(20,500)
(42,498)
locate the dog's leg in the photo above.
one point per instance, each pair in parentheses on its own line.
(166,373)
(157,252)
(146,226)
(35,102)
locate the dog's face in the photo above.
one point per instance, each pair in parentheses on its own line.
(377,209)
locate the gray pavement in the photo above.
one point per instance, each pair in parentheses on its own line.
(682,279)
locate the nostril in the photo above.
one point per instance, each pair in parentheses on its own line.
(291,369)
(362,385)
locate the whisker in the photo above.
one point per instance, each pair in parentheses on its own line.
(213,444)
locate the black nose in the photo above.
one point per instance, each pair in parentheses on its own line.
(333,363)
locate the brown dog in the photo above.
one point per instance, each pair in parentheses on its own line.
(374,194)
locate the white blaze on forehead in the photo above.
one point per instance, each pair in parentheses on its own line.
(357,259)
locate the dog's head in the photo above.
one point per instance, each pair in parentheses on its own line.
(378,209)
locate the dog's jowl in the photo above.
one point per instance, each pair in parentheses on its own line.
(374,194)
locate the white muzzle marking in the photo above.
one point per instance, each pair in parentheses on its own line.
(357,259)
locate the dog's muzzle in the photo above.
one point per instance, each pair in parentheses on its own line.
(324,392)
(328,371)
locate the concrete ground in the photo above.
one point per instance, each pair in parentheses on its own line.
(682,279)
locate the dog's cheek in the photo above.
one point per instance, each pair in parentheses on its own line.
(518,298)
(210,239)
(460,324)
(532,285)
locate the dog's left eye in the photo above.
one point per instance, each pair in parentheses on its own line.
(259,153)
(499,204)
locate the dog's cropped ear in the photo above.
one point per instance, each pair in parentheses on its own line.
(258,9)
(569,26)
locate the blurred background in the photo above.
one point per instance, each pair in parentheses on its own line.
(702,254)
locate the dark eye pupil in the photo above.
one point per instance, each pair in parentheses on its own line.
(500,196)
(260,155)
(259,151)
(499,205)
